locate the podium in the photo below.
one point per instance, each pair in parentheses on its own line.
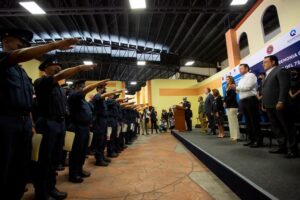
(179,116)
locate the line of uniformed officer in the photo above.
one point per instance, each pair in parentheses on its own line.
(16,102)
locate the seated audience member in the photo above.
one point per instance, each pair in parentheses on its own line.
(218,111)
(165,116)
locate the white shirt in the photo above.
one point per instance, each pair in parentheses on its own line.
(269,71)
(247,85)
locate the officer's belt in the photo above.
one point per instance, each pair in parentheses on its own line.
(14,113)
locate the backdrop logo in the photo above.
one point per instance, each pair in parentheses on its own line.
(270,49)
(293,32)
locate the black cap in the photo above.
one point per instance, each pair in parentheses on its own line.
(48,62)
(24,35)
(116,96)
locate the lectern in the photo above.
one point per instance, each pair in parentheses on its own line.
(179,115)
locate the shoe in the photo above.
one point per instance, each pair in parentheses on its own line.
(278,151)
(257,145)
(249,143)
(291,155)
(76,179)
(36,197)
(56,194)
(108,160)
(101,163)
(60,167)
(85,174)
(112,155)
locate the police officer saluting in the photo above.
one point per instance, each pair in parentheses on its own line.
(100,124)
(15,108)
(81,118)
(51,123)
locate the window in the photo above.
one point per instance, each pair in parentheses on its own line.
(270,23)
(244,46)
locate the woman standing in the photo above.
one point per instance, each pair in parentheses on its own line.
(218,111)
(231,106)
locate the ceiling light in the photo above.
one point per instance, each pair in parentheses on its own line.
(133,82)
(141,63)
(69,82)
(32,7)
(238,2)
(189,63)
(87,62)
(137,4)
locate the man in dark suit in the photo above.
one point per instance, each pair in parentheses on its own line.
(275,101)
(188,113)
(208,111)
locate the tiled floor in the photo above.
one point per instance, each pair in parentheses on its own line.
(154,167)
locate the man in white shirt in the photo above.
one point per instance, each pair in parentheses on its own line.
(247,92)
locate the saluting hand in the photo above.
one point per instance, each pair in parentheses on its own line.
(119,91)
(86,68)
(66,44)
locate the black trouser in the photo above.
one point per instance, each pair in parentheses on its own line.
(128,133)
(251,111)
(211,122)
(111,144)
(282,124)
(53,132)
(188,121)
(15,154)
(100,138)
(154,126)
(79,150)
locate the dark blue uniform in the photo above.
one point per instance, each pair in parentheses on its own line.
(81,119)
(99,127)
(51,123)
(121,141)
(16,128)
(112,115)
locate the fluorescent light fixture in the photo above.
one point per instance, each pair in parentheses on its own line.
(141,63)
(137,4)
(32,7)
(238,2)
(69,82)
(87,62)
(133,83)
(189,63)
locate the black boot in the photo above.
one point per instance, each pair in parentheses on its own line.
(112,154)
(56,194)
(108,160)
(101,163)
